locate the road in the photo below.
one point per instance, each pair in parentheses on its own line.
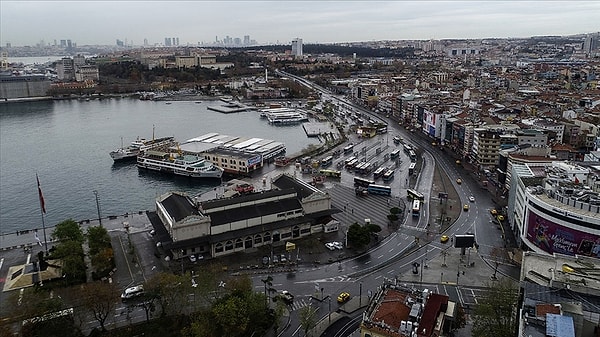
(395,256)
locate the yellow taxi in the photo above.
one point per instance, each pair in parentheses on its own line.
(444,238)
(459,181)
(493,211)
(466,207)
(343,297)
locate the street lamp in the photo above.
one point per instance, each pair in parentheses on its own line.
(98,207)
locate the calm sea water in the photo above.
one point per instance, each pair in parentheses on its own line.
(67,144)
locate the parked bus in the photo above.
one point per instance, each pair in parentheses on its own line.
(411,168)
(407,148)
(358,181)
(349,159)
(379,172)
(349,149)
(395,154)
(326,161)
(412,155)
(415,195)
(379,189)
(388,175)
(331,173)
(350,165)
(365,168)
(416,208)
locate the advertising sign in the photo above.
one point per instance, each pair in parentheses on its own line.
(554,238)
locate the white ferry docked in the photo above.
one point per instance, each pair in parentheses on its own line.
(138,146)
(194,166)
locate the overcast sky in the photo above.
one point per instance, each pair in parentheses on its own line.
(90,22)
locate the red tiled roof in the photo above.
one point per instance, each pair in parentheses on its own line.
(542,309)
(392,309)
(434,305)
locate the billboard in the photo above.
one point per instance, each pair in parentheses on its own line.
(554,238)
(464,240)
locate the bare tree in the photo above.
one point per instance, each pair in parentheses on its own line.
(101,299)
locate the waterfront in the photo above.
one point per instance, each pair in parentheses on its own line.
(67,144)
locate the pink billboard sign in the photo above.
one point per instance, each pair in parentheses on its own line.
(554,238)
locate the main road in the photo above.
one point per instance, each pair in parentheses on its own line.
(318,286)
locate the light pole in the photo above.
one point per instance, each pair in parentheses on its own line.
(360,294)
(329,309)
(98,207)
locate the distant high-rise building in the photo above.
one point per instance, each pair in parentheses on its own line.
(120,43)
(145,42)
(246,40)
(167,41)
(69,44)
(63,43)
(297,47)
(590,43)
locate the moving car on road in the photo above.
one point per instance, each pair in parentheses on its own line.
(343,297)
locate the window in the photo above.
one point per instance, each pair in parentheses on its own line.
(228,245)
(257,239)
(239,243)
(219,247)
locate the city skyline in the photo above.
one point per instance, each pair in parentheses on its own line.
(278,22)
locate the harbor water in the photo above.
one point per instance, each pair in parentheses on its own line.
(66,143)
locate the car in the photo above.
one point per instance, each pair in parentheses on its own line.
(466,207)
(493,211)
(330,246)
(132,292)
(265,260)
(472,199)
(282,258)
(338,245)
(343,297)
(459,181)
(275,259)
(193,258)
(287,297)
(444,238)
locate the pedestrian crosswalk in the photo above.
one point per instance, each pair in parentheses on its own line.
(299,304)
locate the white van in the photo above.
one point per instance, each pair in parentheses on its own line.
(132,292)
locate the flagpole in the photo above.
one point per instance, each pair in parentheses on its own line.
(42,210)
(44,228)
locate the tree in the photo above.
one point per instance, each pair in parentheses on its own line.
(100,299)
(495,313)
(169,291)
(232,316)
(307,319)
(358,236)
(98,239)
(71,254)
(68,230)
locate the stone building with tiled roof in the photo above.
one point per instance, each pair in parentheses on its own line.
(292,209)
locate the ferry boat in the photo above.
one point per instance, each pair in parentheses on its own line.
(283,116)
(138,146)
(194,166)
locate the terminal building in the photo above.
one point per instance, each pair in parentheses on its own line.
(236,155)
(555,209)
(290,210)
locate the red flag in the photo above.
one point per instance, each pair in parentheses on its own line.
(42,203)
